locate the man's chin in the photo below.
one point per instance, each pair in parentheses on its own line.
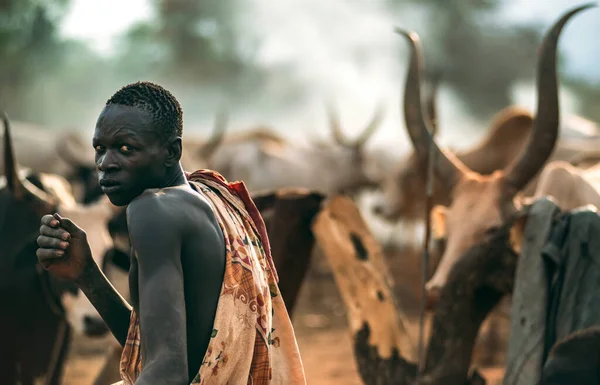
(118,200)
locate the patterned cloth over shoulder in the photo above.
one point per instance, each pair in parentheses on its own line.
(253,340)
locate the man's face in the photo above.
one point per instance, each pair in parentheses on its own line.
(129,154)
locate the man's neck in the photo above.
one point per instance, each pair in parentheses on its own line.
(175,177)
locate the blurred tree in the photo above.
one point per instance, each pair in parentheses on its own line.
(478,58)
(193,42)
(29,46)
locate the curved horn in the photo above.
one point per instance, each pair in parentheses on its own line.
(207,150)
(545,126)
(335,126)
(10,164)
(432,101)
(371,127)
(418,127)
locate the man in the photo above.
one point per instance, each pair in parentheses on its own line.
(206,305)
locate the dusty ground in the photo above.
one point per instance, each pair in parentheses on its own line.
(321,329)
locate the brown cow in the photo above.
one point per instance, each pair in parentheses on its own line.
(481,203)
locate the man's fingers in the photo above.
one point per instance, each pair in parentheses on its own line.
(49,220)
(67,224)
(51,243)
(46,256)
(55,232)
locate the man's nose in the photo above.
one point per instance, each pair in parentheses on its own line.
(108,161)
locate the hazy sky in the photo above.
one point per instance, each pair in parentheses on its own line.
(320,44)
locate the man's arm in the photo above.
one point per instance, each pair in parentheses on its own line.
(156,237)
(65,252)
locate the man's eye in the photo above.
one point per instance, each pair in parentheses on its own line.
(126,149)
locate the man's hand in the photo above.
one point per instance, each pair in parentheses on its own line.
(64,250)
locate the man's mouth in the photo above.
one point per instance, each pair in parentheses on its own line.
(108,185)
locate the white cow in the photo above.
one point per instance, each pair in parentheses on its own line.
(265,161)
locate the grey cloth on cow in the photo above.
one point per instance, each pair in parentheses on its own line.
(557,284)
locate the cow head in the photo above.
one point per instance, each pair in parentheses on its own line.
(403,190)
(357,169)
(404,187)
(80,157)
(480,204)
(24,201)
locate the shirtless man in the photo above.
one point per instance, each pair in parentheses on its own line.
(179,252)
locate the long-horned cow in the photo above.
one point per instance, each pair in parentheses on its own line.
(40,311)
(404,188)
(480,204)
(266,161)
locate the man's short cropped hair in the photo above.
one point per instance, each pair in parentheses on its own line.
(160,103)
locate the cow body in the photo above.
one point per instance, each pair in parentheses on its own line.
(266,161)
(571,187)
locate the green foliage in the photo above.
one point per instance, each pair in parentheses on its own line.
(29,46)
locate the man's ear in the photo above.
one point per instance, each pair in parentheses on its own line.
(174,150)
(438,222)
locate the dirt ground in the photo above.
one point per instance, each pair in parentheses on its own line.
(321,330)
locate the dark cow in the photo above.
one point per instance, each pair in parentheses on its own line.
(35,333)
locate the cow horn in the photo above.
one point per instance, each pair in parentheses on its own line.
(544,132)
(20,188)
(336,128)
(434,85)
(207,150)
(10,164)
(371,127)
(419,128)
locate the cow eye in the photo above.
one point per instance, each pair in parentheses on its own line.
(492,230)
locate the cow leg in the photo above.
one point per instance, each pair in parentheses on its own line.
(62,346)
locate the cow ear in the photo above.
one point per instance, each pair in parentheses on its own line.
(438,222)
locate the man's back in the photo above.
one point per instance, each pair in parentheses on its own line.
(252,338)
(202,252)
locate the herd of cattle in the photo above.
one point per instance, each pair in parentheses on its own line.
(522,157)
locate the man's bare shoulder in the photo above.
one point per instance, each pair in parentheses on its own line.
(170,207)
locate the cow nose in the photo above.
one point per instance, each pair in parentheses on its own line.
(94,326)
